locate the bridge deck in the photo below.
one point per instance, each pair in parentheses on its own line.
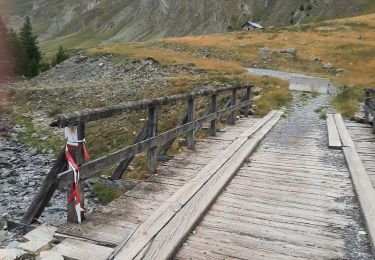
(111,224)
(292,199)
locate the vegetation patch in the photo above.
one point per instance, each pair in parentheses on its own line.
(347,102)
(106,194)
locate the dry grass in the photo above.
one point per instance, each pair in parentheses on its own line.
(335,42)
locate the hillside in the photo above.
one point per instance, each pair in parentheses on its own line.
(86,22)
(109,74)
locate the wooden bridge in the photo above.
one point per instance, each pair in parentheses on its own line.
(245,192)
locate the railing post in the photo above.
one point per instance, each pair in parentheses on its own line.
(232,117)
(367,104)
(79,158)
(213,109)
(191,118)
(151,132)
(247,98)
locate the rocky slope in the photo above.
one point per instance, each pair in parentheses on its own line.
(129,20)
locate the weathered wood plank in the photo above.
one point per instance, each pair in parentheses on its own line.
(213,109)
(334,141)
(170,236)
(152,132)
(191,118)
(160,217)
(232,117)
(364,189)
(343,132)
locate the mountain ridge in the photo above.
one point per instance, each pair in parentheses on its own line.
(137,20)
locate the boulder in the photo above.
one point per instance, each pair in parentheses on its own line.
(328,66)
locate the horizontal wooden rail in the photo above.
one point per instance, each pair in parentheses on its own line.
(89,169)
(95,114)
(148,139)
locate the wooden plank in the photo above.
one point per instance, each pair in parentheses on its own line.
(169,237)
(191,118)
(232,117)
(364,190)
(161,216)
(151,132)
(343,132)
(213,109)
(247,98)
(167,241)
(334,141)
(81,250)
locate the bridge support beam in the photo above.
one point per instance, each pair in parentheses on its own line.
(247,98)
(367,104)
(152,132)
(79,158)
(232,117)
(191,118)
(213,109)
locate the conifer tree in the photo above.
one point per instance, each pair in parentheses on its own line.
(18,53)
(61,56)
(30,46)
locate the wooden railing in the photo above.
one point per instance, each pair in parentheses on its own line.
(146,141)
(369,106)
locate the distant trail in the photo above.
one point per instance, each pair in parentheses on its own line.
(274,73)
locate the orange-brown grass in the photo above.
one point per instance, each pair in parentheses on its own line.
(335,42)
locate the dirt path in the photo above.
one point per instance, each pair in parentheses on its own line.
(274,73)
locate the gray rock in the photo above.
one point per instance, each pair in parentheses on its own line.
(328,66)
(263,50)
(338,70)
(316,59)
(291,51)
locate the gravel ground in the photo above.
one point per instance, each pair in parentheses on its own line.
(302,114)
(22,171)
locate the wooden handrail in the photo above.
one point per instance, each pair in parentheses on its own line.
(95,114)
(147,141)
(89,169)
